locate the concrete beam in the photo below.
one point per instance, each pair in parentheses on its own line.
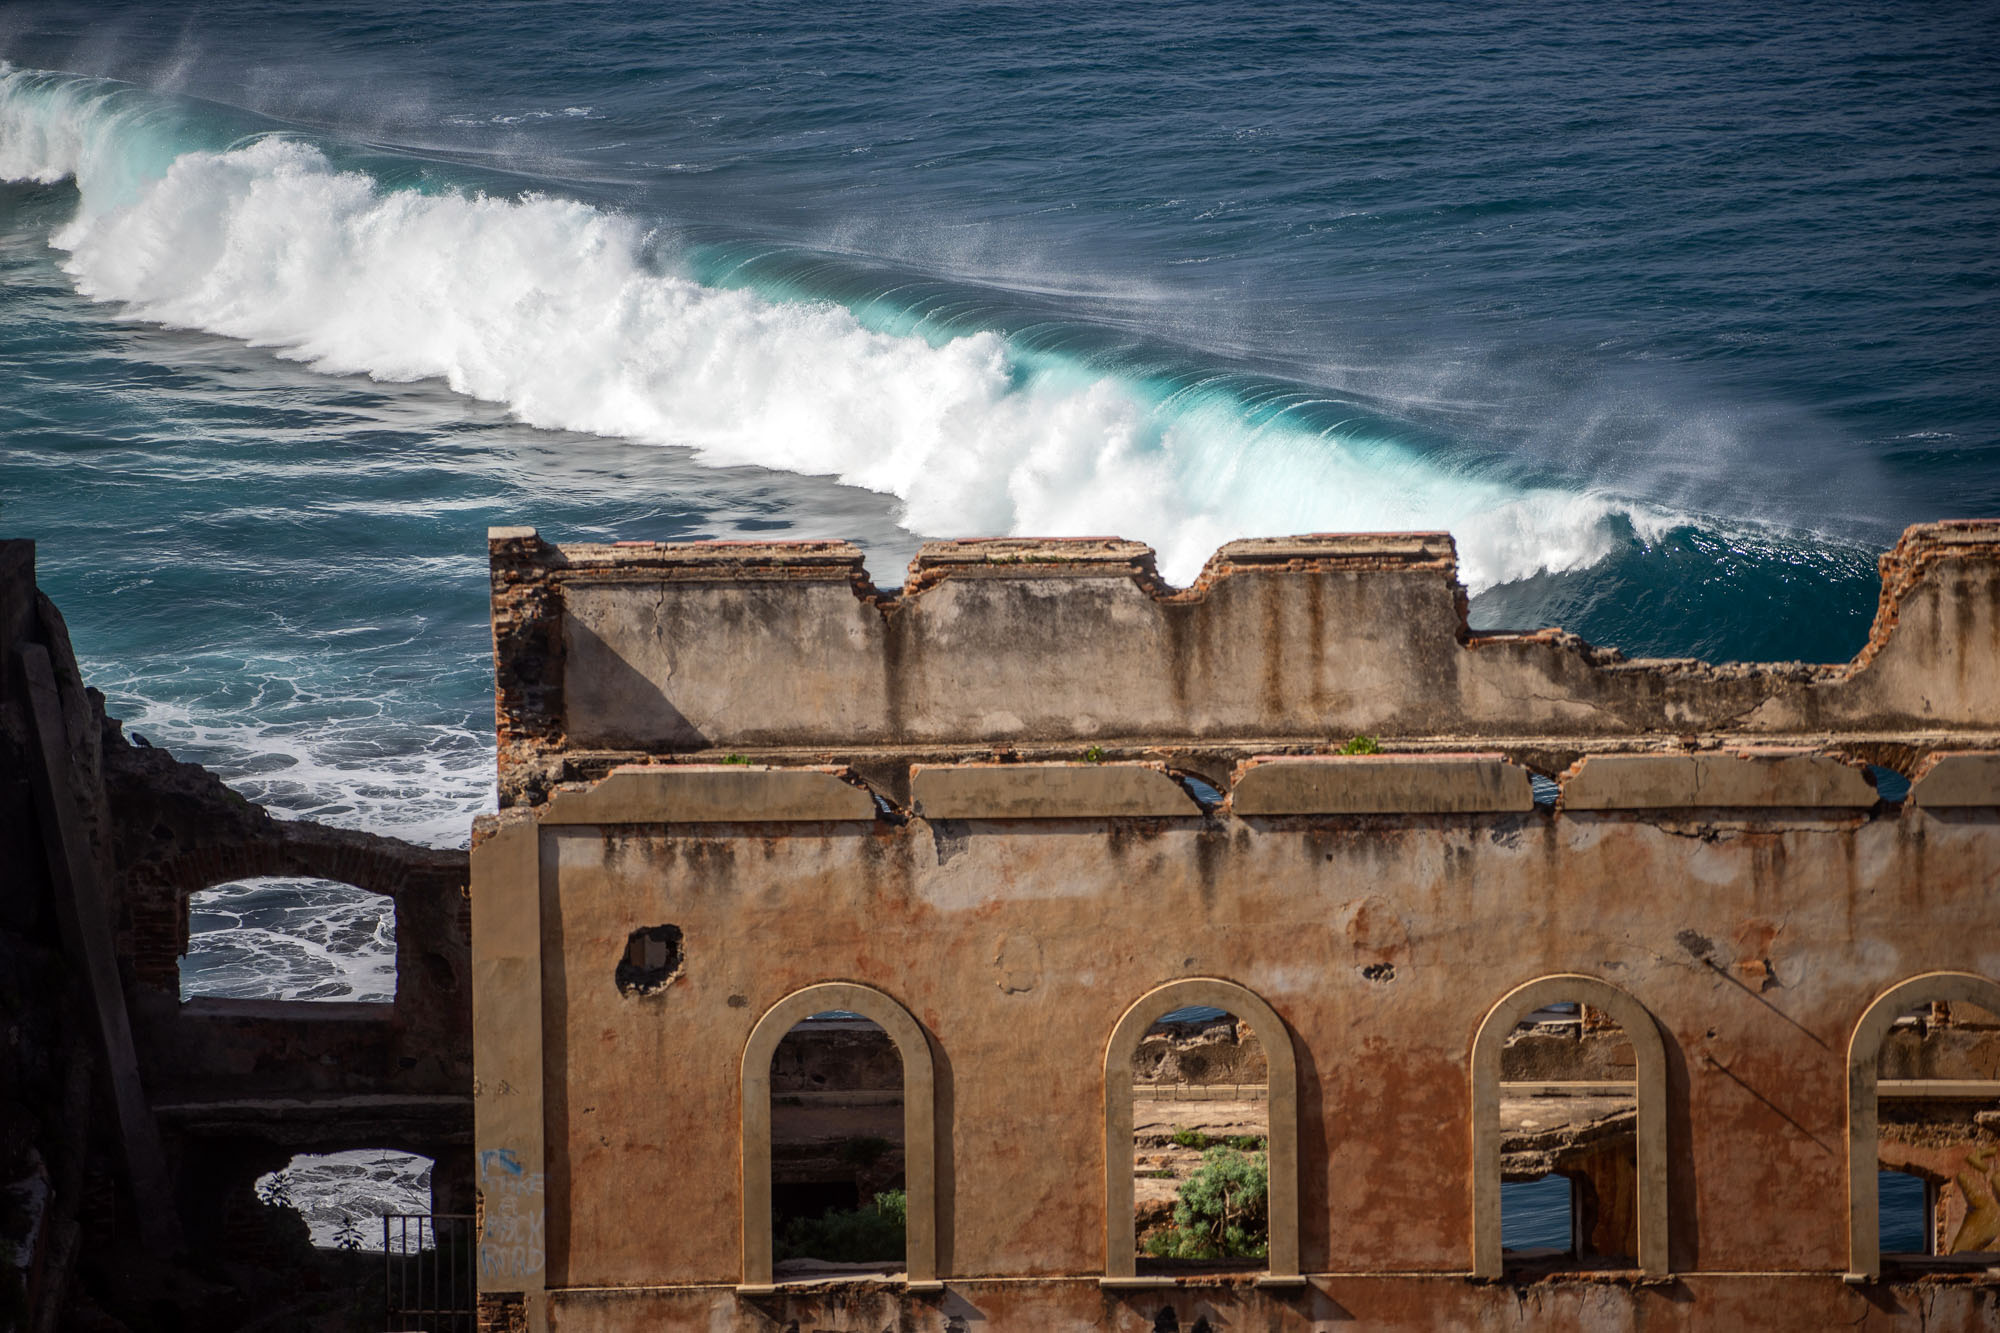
(1380,784)
(1048,791)
(1970,777)
(711,794)
(1746,778)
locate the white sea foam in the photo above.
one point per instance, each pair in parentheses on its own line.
(274,938)
(285,742)
(553,308)
(344,1195)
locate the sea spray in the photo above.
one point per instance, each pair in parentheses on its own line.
(559,310)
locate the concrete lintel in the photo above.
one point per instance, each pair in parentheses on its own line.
(233,1009)
(1372,784)
(1048,791)
(1938,1089)
(1970,777)
(1744,778)
(711,794)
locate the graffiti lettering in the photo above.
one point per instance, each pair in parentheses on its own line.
(510,1240)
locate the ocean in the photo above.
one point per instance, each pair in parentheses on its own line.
(1673,316)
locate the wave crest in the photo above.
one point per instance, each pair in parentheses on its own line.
(553,307)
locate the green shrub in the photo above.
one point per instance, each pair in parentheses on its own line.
(1246,1143)
(869,1234)
(1222,1212)
(1361,745)
(1189,1138)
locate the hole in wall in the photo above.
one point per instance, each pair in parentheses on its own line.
(1206,794)
(343,1196)
(1890,785)
(652,960)
(277,937)
(1546,790)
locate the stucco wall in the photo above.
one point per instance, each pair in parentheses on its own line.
(1726,861)
(641,1092)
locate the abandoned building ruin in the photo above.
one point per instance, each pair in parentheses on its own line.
(140,1118)
(1680,934)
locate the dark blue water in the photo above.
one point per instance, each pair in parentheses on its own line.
(1903,1213)
(1673,316)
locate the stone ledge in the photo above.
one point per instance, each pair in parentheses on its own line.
(712,794)
(1965,778)
(1744,778)
(1380,784)
(1047,791)
(229,1008)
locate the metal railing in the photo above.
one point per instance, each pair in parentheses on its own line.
(1201,1092)
(428,1275)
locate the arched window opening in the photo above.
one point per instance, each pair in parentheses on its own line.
(343,1196)
(1200,1144)
(1925,1069)
(1201,1138)
(290,938)
(839,1196)
(1569,1132)
(1569,1115)
(839,1141)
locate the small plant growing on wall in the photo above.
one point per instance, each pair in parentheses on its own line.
(1094,755)
(1361,745)
(1222,1212)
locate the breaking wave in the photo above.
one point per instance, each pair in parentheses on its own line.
(580,318)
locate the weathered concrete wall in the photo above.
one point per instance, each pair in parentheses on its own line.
(1028,864)
(1463,911)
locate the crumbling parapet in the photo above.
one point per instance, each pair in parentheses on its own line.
(1046,649)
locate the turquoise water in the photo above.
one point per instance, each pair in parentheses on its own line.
(1674,318)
